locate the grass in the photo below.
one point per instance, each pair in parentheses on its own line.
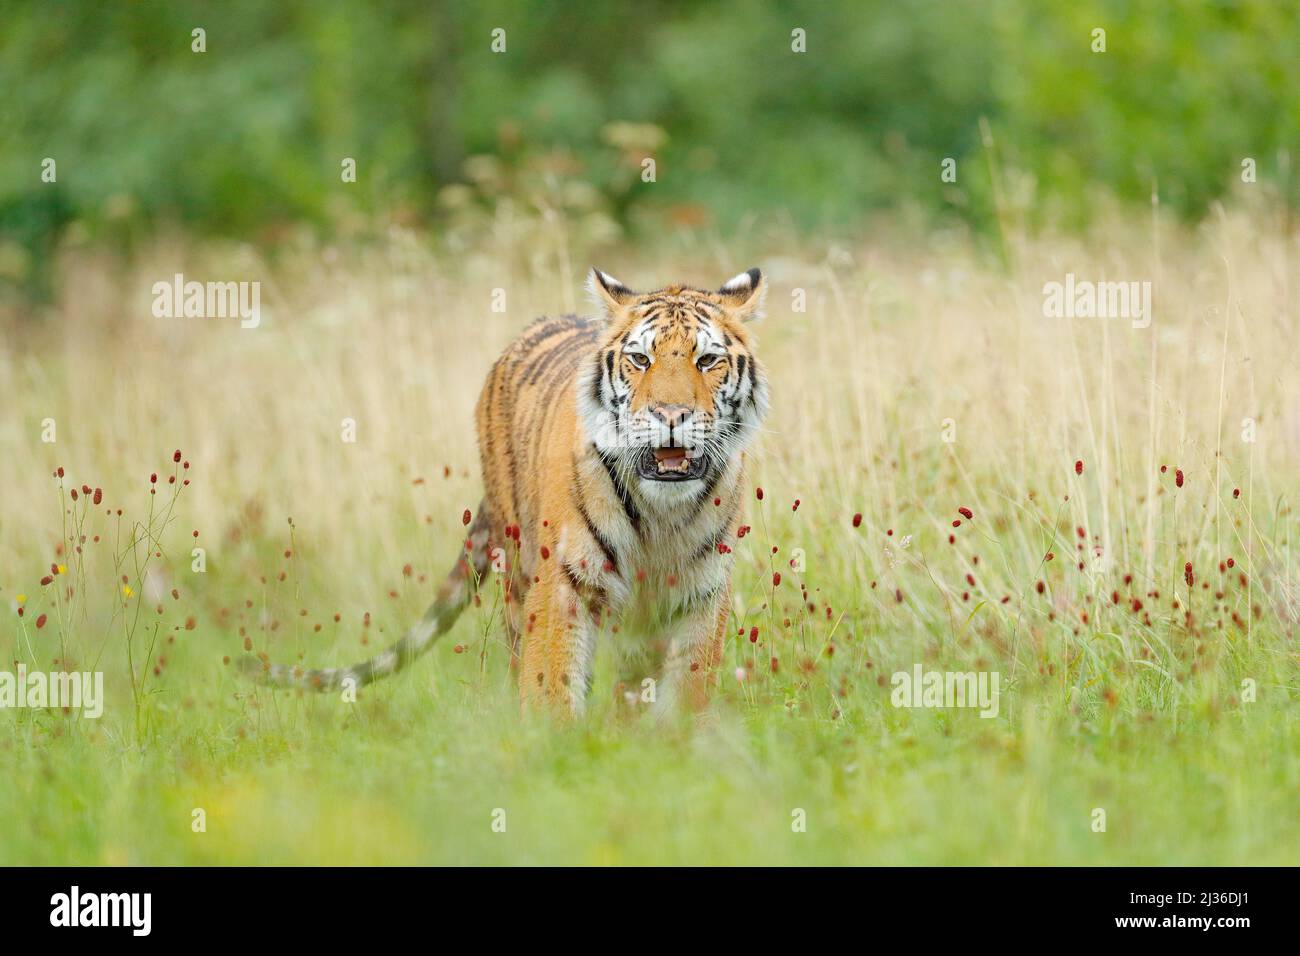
(1145,713)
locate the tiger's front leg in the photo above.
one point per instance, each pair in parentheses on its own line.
(697,641)
(560,631)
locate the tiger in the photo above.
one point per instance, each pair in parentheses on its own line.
(613,453)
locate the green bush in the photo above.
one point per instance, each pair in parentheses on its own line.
(247,138)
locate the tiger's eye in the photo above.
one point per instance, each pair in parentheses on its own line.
(639,359)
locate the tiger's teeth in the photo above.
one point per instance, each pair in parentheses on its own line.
(674,464)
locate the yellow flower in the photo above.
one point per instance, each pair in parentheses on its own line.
(22,598)
(63,569)
(126,590)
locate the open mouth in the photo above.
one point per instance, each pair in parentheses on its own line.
(669,464)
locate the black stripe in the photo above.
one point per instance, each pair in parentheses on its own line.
(753,383)
(544,328)
(363,672)
(703,550)
(598,380)
(574,583)
(620,489)
(557,351)
(405,653)
(602,542)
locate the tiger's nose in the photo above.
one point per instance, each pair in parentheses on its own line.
(671,415)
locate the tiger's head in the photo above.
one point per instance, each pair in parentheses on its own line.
(674,392)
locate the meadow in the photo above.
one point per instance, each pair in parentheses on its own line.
(1127,566)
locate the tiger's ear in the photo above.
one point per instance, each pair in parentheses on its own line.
(744,294)
(607,292)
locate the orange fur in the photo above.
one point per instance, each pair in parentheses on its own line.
(584,556)
(602,536)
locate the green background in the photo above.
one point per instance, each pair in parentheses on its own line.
(246,139)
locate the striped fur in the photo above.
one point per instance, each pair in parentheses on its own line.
(453,595)
(595,534)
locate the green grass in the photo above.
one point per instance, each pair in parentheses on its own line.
(415,773)
(415,770)
(1142,713)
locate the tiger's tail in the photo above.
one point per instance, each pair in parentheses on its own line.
(453,594)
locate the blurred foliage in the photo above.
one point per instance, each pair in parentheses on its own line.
(246,139)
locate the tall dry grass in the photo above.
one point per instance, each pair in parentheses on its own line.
(1170,706)
(899,335)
